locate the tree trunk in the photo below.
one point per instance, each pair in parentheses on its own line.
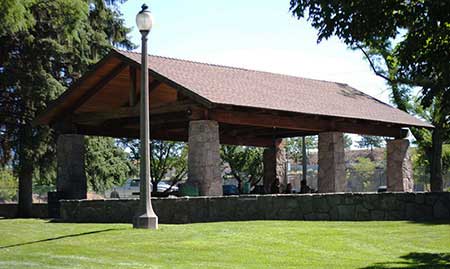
(25,191)
(436,183)
(25,176)
(239,181)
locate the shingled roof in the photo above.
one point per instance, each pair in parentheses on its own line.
(226,85)
(305,106)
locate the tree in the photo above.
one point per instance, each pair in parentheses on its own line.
(348,142)
(370,142)
(406,43)
(8,185)
(365,169)
(106,164)
(294,147)
(44,47)
(245,163)
(168,160)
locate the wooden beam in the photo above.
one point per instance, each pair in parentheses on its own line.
(264,120)
(246,141)
(153,85)
(91,92)
(95,118)
(109,132)
(170,135)
(194,96)
(159,120)
(133,86)
(176,134)
(302,123)
(286,134)
(239,130)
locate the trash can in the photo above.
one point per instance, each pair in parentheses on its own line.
(230,189)
(246,187)
(53,204)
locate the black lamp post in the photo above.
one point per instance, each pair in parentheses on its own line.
(145,217)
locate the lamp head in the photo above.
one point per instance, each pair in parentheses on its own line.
(144,19)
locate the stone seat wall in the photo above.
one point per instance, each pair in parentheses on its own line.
(335,206)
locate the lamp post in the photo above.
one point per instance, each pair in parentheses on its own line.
(145,217)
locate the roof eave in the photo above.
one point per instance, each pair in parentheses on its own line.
(46,117)
(202,100)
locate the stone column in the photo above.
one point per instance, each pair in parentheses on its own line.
(71,180)
(274,159)
(204,157)
(331,176)
(399,175)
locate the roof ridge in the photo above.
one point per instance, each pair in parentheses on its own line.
(232,67)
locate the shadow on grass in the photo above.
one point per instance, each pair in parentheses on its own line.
(61,221)
(417,260)
(431,222)
(57,238)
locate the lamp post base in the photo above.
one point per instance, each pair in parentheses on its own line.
(145,221)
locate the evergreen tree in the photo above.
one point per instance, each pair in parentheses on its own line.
(44,47)
(106,164)
(348,142)
(370,142)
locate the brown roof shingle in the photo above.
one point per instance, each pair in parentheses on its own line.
(249,88)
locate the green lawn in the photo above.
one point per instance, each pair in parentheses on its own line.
(254,244)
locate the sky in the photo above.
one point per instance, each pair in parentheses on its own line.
(254,34)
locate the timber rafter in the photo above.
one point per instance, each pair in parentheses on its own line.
(304,123)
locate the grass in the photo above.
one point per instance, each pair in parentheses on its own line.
(255,244)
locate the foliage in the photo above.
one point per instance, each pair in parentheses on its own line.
(364,170)
(8,185)
(44,47)
(421,167)
(406,43)
(322,244)
(246,163)
(421,29)
(106,164)
(294,147)
(15,16)
(168,159)
(348,142)
(446,159)
(370,142)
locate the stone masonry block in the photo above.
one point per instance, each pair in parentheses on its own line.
(399,175)
(331,176)
(204,157)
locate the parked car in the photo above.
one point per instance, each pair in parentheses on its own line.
(131,189)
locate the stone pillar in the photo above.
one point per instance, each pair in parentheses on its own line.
(204,157)
(274,159)
(331,176)
(71,180)
(399,175)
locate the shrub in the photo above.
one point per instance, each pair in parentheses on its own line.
(8,185)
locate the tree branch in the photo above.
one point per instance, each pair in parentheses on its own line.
(372,65)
